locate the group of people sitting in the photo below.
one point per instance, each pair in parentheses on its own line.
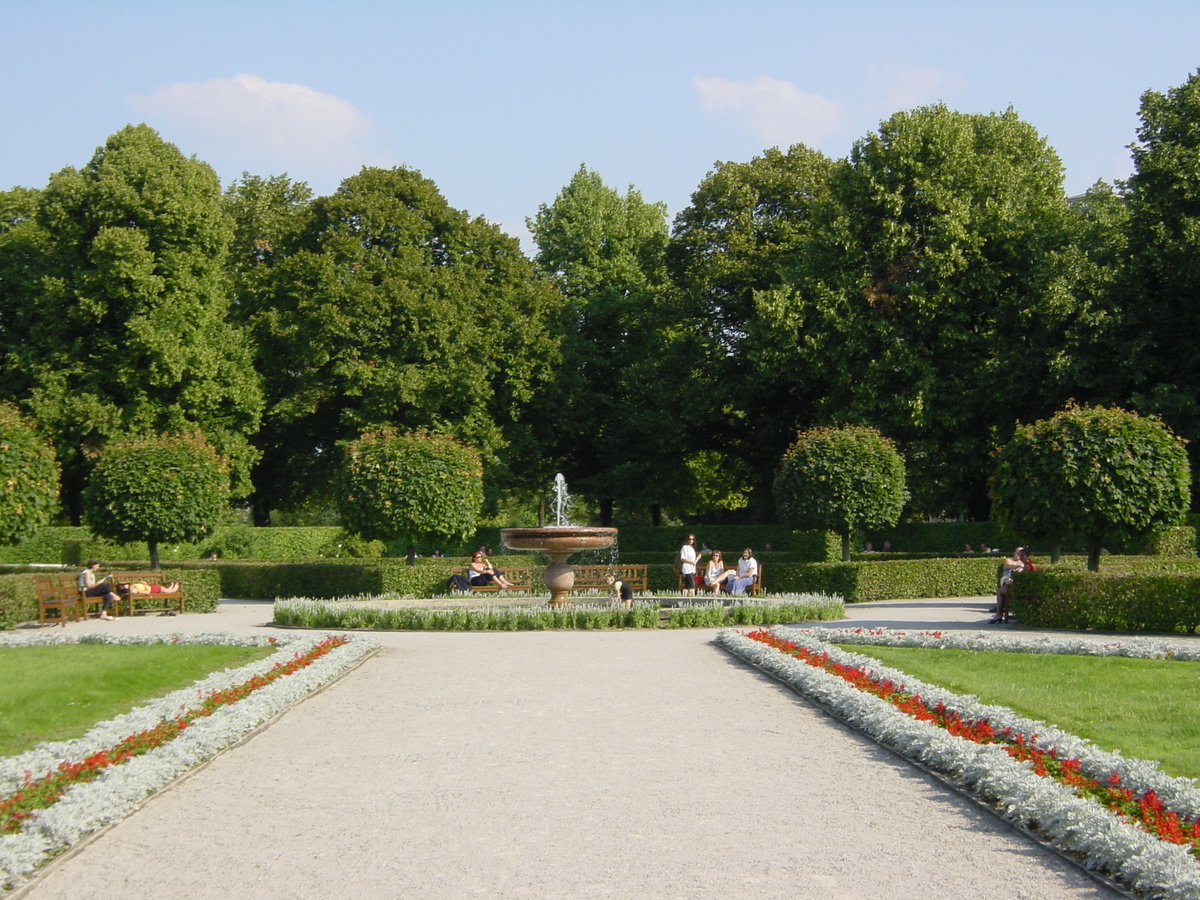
(717,576)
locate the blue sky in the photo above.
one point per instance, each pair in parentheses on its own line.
(499,103)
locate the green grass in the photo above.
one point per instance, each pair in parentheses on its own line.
(1148,708)
(58,693)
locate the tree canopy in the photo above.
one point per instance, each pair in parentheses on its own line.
(157,488)
(417,486)
(1093,473)
(841,479)
(28,477)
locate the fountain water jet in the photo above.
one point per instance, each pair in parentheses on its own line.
(559,541)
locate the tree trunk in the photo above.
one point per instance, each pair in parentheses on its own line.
(260,509)
(1055,553)
(656,515)
(153,545)
(1093,545)
(542,513)
(606,512)
(845,546)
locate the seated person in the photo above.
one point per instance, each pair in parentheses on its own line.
(747,572)
(622,591)
(97,587)
(715,573)
(481,572)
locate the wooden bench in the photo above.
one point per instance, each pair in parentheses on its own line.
(170,602)
(521,578)
(593,578)
(58,599)
(701,585)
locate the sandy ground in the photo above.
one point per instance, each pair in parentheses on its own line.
(559,765)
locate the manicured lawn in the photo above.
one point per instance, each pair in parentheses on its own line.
(1147,708)
(58,693)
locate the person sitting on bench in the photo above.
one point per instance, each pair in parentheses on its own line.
(481,572)
(93,587)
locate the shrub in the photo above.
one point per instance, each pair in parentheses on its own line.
(420,486)
(157,488)
(28,477)
(1101,475)
(1060,597)
(841,479)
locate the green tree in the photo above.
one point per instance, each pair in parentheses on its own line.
(745,221)
(933,298)
(157,488)
(1091,473)
(604,252)
(124,322)
(1162,327)
(28,477)
(418,486)
(843,480)
(395,310)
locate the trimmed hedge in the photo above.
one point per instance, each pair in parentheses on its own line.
(18,601)
(1068,597)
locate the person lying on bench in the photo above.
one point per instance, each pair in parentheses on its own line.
(481,572)
(144,587)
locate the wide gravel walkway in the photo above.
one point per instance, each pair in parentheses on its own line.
(558,765)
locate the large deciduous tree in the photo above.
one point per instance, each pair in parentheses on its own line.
(123,323)
(843,480)
(614,437)
(1095,474)
(157,488)
(419,486)
(744,222)
(1162,328)
(394,310)
(933,299)
(28,477)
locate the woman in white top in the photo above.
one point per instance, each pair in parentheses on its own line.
(747,572)
(687,566)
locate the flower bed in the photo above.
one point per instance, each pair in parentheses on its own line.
(943,731)
(51,797)
(310,613)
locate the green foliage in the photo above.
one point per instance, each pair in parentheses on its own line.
(901,579)
(418,486)
(394,310)
(1179,540)
(841,479)
(157,488)
(1119,601)
(944,538)
(933,273)
(28,477)
(1091,473)
(123,322)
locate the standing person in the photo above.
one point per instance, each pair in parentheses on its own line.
(97,587)
(687,564)
(747,572)
(1008,568)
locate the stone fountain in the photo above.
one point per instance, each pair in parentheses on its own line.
(559,541)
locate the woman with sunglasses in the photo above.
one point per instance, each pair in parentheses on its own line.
(482,572)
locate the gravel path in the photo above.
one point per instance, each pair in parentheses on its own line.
(556,765)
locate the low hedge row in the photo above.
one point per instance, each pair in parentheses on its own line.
(18,600)
(1146,600)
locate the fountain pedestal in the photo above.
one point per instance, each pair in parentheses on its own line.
(558,542)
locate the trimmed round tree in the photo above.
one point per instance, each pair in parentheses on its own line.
(417,486)
(157,488)
(841,479)
(28,477)
(1095,474)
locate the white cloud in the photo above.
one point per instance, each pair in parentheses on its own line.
(909,86)
(777,112)
(251,120)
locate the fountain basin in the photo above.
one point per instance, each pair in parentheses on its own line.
(558,542)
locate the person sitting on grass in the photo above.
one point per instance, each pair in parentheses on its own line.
(481,572)
(97,587)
